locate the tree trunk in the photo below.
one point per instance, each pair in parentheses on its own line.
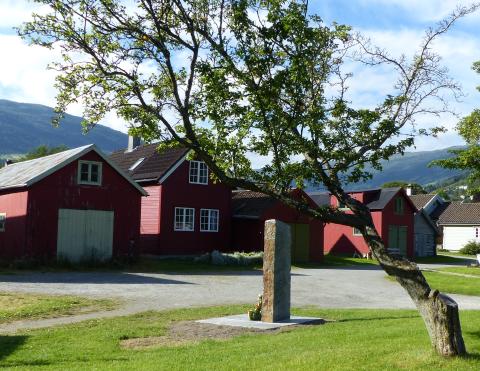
(439,311)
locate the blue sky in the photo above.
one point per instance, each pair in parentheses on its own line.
(396,25)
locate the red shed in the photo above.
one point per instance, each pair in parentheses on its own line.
(393,215)
(74,205)
(251,209)
(186,212)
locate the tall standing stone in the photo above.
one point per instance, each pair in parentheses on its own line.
(276,271)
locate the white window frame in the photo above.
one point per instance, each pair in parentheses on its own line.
(136,164)
(183,228)
(197,173)
(3,221)
(356,232)
(89,163)
(209,213)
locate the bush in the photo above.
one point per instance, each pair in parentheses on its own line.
(471,248)
(236,258)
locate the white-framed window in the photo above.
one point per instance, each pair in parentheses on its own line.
(198,172)
(184,219)
(136,164)
(89,172)
(3,221)
(357,232)
(209,220)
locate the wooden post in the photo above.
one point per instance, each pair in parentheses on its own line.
(276,272)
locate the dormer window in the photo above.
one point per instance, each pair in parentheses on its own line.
(89,172)
(198,172)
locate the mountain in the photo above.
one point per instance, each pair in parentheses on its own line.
(24,126)
(411,167)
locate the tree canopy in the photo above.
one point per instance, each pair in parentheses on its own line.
(416,188)
(236,79)
(469,158)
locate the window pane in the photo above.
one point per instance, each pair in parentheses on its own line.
(193,171)
(84,172)
(94,173)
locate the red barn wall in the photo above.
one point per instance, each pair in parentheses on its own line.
(60,190)
(176,191)
(339,239)
(407,219)
(12,240)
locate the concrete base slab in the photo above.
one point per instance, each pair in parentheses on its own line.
(242,320)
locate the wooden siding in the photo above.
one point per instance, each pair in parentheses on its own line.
(455,237)
(424,236)
(13,239)
(150,220)
(61,191)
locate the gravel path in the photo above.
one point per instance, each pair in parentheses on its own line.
(352,287)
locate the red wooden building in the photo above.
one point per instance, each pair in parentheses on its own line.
(74,205)
(393,215)
(251,209)
(186,212)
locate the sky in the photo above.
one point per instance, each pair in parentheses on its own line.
(397,25)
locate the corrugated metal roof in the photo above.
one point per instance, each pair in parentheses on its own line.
(26,173)
(22,174)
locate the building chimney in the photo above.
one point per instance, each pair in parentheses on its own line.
(7,162)
(409,190)
(133,142)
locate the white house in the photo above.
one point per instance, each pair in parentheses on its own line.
(460,223)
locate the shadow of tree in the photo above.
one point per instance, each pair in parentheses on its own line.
(9,343)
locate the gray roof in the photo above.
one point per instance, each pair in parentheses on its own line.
(421,200)
(320,198)
(26,173)
(376,199)
(250,204)
(461,213)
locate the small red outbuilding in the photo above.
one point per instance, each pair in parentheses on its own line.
(252,209)
(74,205)
(393,215)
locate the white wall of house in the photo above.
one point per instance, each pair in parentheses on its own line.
(455,237)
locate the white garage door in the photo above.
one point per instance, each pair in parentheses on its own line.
(84,235)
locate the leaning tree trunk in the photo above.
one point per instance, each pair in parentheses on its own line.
(439,311)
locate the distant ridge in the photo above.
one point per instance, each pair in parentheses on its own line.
(24,126)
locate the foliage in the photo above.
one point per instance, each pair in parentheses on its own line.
(42,151)
(255,314)
(470,248)
(331,346)
(416,188)
(469,158)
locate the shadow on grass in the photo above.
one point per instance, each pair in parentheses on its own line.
(363,319)
(9,343)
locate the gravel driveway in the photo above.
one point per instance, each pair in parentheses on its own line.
(349,287)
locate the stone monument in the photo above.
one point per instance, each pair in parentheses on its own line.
(276,271)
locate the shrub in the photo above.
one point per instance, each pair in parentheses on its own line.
(471,248)
(236,258)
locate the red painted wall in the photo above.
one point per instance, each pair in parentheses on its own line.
(176,191)
(12,240)
(247,234)
(339,239)
(60,190)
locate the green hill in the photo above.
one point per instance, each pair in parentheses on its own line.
(25,126)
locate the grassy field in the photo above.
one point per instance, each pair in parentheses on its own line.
(16,306)
(472,271)
(453,284)
(357,340)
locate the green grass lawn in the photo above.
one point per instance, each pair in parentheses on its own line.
(453,284)
(357,340)
(472,271)
(441,259)
(17,306)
